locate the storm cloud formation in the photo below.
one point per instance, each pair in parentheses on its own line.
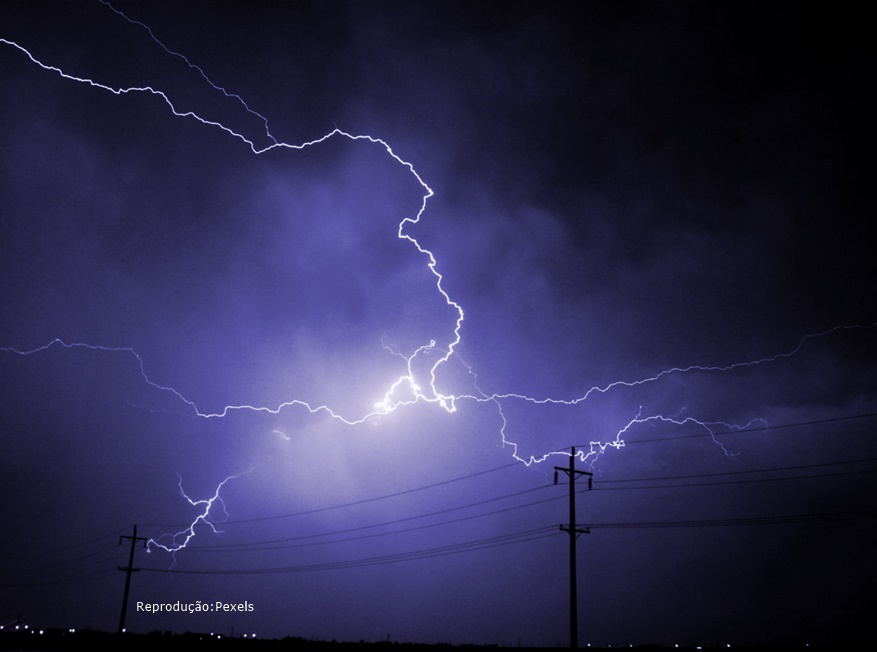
(619,190)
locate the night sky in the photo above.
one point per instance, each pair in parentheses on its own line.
(387,263)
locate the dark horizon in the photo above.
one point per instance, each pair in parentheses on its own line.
(319,295)
(64,639)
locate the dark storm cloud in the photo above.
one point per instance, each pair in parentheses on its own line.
(618,190)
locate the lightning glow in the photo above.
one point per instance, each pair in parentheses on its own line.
(419,382)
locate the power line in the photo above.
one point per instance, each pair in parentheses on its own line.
(734,522)
(796,467)
(98,575)
(426,553)
(43,553)
(813,476)
(53,566)
(253,547)
(394,522)
(508,466)
(602,487)
(356,502)
(524,536)
(377,498)
(62,572)
(308,540)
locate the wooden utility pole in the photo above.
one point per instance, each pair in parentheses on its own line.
(573,535)
(128,570)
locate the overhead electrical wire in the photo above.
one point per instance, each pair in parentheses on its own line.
(500,468)
(600,486)
(354,503)
(308,540)
(521,537)
(426,553)
(746,520)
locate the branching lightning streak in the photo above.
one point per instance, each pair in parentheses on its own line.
(407,389)
(407,381)
(188,533)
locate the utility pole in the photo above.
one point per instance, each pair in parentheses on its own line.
(128,570)
(573,535)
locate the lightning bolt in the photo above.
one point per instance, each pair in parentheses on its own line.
(419,381)
(181,539)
